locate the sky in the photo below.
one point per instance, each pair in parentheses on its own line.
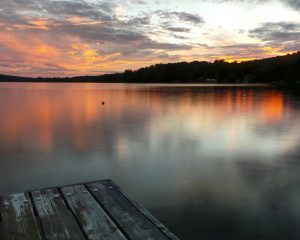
(92,37)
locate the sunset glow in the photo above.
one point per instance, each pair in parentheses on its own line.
(92,37)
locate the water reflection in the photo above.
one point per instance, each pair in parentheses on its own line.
(217,162)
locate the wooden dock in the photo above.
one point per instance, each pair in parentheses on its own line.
(93,211)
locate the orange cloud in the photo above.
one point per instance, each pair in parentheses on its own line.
(48,50)
(82,21)
(41,52)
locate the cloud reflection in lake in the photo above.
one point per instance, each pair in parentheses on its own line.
(214,161)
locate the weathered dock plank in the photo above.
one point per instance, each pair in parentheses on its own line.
(56,219)
(86,211)
(154,220)
(127,216)
(18,219)
(93,219)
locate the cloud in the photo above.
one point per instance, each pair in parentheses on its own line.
(139,21)
(171,22)
(35,34)
(277,32)
(87,36)
(294,4)
(178,29)
(181,16)
(95,22)
(101,10)
(138,2)
(188,17)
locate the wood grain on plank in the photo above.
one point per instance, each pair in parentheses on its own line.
(58,222)
(95,222)
(18,219)
(130,219)
(154,220)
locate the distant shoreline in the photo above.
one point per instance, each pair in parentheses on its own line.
(282,71)
(156,83)
(283,86)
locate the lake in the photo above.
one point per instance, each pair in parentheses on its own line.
(210,162)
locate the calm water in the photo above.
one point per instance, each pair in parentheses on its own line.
(209,162)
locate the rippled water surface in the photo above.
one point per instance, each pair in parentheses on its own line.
(217,162)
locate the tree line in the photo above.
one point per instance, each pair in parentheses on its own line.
(281,69)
